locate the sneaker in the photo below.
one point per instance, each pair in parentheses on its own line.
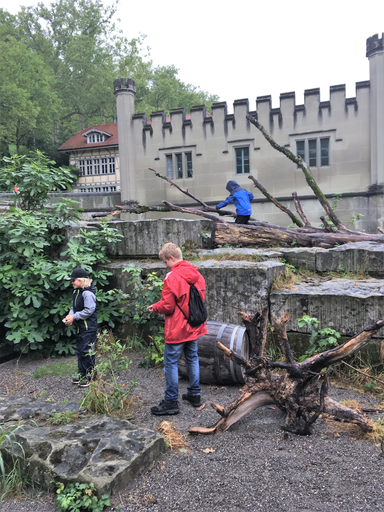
(165,408)
(76,379)
(84,383)
(195,400)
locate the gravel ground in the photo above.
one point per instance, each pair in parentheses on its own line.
(252,467)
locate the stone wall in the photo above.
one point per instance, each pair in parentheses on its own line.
(232,286)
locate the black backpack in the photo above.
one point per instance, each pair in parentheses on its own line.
(197,311)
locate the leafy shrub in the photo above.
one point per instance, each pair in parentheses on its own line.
(320,340)
(33,294)
(80,497)
(142,293)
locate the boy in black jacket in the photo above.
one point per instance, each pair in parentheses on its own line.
(83,314)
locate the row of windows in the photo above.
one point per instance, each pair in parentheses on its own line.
(98,189)
(95,137)
(314,151)
(177,165)
(97,166)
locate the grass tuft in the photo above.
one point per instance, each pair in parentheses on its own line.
(59,369)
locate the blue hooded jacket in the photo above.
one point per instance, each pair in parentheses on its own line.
(241,197)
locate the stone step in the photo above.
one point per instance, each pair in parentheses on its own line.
(341,304)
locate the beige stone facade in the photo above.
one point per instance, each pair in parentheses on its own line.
(342,140)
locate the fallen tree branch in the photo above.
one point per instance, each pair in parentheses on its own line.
(275,202)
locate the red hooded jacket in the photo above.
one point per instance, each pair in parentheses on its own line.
(176,291)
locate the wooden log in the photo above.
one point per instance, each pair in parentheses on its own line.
(263,236)
(215,366)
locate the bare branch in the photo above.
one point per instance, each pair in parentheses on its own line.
(275,202)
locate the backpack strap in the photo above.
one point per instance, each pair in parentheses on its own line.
(185,316)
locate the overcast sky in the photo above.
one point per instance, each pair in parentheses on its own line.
(249,48)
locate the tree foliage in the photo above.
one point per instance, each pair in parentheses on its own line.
(58,64)
(34,297)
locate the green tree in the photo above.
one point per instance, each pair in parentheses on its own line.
(69,53)
(165,91)
(28,103)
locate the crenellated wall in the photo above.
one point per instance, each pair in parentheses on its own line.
(212,140)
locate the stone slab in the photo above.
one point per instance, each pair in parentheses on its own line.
(301,257)
(107,452)
(145,238)
(264,253)
(231,286)
(367,256)
(342,304)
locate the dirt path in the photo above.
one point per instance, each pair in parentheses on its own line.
(252,467)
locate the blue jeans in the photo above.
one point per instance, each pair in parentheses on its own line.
(172,353)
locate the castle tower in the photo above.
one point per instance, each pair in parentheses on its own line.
(125,91)
(375,54)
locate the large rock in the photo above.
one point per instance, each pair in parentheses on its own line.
(145,238)
(231,286)
(353,257)
(97,449)
(342,304)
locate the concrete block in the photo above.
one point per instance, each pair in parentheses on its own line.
(367,256)
(342,304)
(301,257)
(231,286)
(145,238)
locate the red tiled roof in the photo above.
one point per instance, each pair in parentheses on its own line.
(78,140)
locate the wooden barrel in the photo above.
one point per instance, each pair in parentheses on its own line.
(215,367)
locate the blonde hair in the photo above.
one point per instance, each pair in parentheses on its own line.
(169,250)
(85,283)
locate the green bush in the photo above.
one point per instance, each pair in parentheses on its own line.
(34,297)
(80,497)
(144,292)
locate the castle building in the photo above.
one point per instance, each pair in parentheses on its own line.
(342,141)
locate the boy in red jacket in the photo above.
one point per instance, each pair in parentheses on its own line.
(179,335)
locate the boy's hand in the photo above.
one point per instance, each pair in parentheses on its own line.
(150,308)
(68,320)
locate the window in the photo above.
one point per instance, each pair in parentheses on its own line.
(97,189)
(312,153)
(324,152)
(104,166)
(188,165)
(96,166)
(178,159)
(179,166)
(242,160)
(95,137)
(310,147)
(300,149)
(169,163)
(111,164)
(89,166)
(81,165)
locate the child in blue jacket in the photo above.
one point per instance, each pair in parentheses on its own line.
(242,199)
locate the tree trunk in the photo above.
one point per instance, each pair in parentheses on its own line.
(264,236)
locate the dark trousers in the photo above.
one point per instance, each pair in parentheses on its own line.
(85,341)
(242,219)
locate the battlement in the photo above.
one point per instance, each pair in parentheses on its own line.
(375,45)
(124,85)
(286,115)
